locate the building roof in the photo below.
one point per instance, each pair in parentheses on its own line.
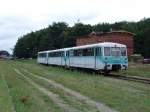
(121,31)
(4,53)
(104,33)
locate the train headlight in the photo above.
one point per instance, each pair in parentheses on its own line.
(125,66)
(108,65)
(126,60)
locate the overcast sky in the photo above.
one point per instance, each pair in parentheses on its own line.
(18,17)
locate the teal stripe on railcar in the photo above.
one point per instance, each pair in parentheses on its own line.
(114,60)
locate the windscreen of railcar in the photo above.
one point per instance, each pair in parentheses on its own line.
(115,51)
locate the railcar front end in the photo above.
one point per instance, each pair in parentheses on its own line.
(115,58)
(42,57)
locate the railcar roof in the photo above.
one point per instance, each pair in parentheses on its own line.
(104,44)
(42,52)
(64,49)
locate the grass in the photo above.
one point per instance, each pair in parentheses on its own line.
(124,96)
(5,99)
(137,69)
(19,88)
(81,106)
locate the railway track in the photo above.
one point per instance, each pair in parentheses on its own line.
(131,78)
(123,77)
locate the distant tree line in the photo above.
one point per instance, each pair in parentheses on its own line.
(60,35)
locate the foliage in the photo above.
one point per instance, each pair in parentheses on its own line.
(60,35)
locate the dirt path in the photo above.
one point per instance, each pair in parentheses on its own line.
(52,96)
(100,106)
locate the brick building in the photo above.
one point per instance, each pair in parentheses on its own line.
(122,37)
(4,54)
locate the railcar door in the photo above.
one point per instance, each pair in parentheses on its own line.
(67,59)
(63,58)
(98,58)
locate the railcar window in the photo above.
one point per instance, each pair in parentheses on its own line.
(75,53)
(71,53)
(63,54)
(83,52)
(67,53)
(78,52)
(55,54)
(88,52)
(49,54)
(98,51)
(42,55)
(123,51)
(107,51)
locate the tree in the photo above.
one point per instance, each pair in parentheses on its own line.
(80,29)
(60,35)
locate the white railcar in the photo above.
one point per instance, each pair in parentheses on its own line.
(102,56)
(42,57)
(56,57)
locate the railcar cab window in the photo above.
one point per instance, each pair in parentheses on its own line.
(107,51)
(42,55)
(123,51)
(115,51)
